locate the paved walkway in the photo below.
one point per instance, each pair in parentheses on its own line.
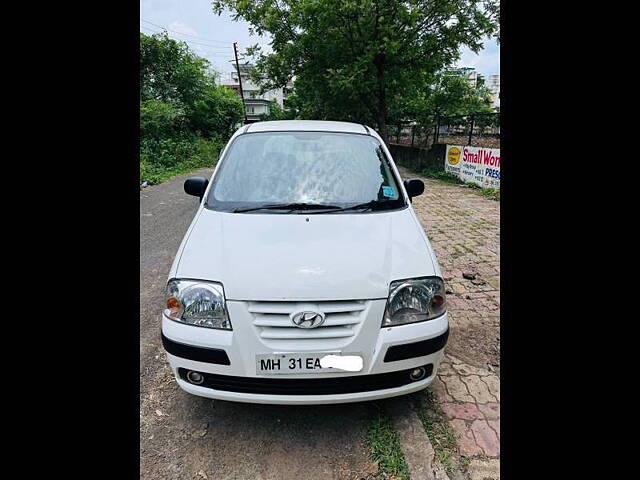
(464,230)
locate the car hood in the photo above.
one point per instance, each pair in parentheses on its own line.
(266,257)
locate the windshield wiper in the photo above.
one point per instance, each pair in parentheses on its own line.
(374,204)
(289,206)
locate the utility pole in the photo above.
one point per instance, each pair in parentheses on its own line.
(244,108)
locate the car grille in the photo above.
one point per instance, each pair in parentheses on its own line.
(342,320)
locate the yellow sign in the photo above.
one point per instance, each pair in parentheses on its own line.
(454,156)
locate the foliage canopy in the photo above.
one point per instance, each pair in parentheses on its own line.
(362,60)
(184,116)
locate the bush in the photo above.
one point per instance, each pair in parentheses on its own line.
(168,152)
(163,159)
(216,112)
(160,120)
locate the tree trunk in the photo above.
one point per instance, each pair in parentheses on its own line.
(382,126)
(381,107)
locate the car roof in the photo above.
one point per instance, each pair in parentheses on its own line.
(307,126)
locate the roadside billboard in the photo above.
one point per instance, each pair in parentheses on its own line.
(479,165)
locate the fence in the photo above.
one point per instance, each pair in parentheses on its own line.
(480,129)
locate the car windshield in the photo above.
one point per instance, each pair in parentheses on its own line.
(314,172)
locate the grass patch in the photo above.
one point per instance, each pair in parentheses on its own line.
(440,433)
(384,446)
(154,176)
(491,193)
(441,175)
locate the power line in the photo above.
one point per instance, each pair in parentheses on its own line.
(190,41)
(219,53)
(186,34)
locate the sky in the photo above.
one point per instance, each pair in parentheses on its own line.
(212,36)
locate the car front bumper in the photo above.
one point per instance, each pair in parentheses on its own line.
(228,357)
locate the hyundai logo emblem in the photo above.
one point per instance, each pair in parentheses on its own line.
(307,319)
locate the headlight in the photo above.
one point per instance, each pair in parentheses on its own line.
(197,303)
(414,300)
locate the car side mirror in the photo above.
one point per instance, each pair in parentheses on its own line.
(414,187)
(196,186)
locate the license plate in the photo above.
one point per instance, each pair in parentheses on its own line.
(287,363)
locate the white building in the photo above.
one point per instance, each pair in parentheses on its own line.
(494,86)
(256,104)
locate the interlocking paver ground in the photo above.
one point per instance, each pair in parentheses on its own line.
(464,230)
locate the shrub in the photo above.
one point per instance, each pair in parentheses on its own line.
(216,112)
(160,120)
(163,159)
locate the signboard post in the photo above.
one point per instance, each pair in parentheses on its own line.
(477,165)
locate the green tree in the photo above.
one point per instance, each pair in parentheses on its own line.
(217,110)
(361,59)
(276,112)
(185,118)
(453,95)
(172,78)
(169,71)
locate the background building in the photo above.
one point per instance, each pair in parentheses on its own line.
(255,103)
(494,86)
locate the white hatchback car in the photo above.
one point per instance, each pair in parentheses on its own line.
(305,276)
